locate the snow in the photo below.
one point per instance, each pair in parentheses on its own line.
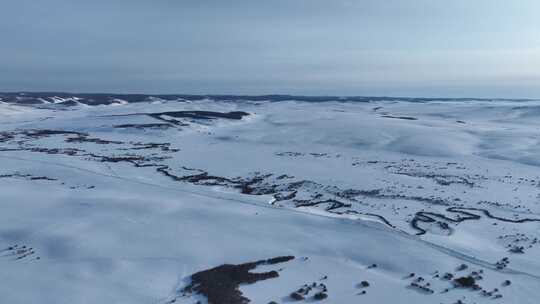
(111,230)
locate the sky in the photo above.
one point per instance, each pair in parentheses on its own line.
(416,48)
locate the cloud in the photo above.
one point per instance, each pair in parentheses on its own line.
(294,46)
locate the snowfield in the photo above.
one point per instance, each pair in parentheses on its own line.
(238,200)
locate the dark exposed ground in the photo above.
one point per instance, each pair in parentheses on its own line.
(170,118)
(220,284)
(202,114)
(432,217)
(400,117)
(144,126)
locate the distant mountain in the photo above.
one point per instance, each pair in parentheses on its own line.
(93,99)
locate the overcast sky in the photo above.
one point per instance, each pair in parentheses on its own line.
(480,48)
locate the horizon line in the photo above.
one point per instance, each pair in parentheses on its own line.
(329,96)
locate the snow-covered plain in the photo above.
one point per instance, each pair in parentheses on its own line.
(123,202)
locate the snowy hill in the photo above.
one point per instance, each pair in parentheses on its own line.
(272,199)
